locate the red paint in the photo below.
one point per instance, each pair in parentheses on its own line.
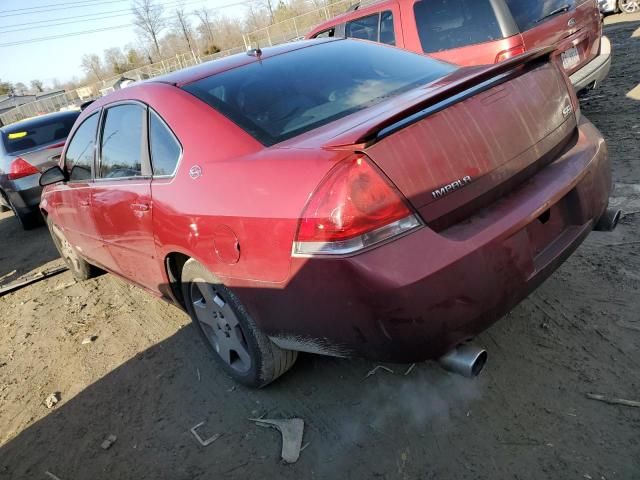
(481,251)
(586,35)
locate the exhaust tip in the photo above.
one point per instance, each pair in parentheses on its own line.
(466,360)
(609,220)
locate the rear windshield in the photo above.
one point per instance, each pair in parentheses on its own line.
(35,133)
(528,13)
(287,95)
(446,24)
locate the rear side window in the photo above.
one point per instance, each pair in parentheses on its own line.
(80,152)
(529,13)
(286,95)
(122,147)
(376,28)
(447,24)
(326,34)
(165,149)
(38,132)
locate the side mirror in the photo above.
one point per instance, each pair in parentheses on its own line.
(52,175)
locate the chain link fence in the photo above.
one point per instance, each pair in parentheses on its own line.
(286,31)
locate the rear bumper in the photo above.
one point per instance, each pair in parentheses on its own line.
(420,295)
(594,72)
(24,193)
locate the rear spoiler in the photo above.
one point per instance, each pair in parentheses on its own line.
(477,80)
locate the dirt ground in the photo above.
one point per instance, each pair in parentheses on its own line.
(147,377)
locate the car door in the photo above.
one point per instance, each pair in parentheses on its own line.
(121,194)
(71,201)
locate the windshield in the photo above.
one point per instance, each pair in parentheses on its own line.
(287,95)
(38,132)
(528,13)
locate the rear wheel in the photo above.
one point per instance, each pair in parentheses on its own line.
(79,267)
(240,348)
(629,6)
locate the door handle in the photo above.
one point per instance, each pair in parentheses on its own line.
(84,203)
(140,207)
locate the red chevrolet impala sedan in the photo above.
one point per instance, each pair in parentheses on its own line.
(334,196)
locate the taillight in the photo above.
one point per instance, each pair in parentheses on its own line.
(512,52)
(354,208)
(21,168)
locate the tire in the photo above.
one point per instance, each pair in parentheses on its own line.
(629,6)
(79,267)
(28,220)
(244,352)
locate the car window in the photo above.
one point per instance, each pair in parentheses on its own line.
(387,34)
(364,28)
(80,152)
(529,13)
(122,147)
(165,149)
(446,24)
(286,95)
(38,132)
(376,28)
(327,33)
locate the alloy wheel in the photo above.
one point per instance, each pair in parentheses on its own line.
(630,6)
(220,325)
(66,250)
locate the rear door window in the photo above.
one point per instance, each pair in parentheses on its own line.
(38,132)
(376,28)
(164,147)
(81,150)
(529,13)
(447,24)
(122,142)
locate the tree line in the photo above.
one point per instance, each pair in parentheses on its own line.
(162,33)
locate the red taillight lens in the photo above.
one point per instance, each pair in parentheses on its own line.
(353,208)
(512,52)
(20,168)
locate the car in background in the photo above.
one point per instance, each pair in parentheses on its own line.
(26,149)
(477,32)
(614,6)
(334,196)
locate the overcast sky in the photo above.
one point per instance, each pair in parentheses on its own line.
(60,58)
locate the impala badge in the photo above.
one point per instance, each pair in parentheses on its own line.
(447,189)
(572,22)
(195,171)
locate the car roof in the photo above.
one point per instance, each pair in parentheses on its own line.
(38,121)
(188,75)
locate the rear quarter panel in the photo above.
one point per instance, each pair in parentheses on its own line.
(243,190)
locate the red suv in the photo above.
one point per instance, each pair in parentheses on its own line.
(477,32)
(337,197)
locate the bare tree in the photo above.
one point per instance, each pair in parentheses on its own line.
(37,85)
(20,88)
(267,3)
(91,64)
(115,60)
(183,25)
(6,88)
(148,16)
(205,18)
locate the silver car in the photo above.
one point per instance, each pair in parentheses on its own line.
(26,149)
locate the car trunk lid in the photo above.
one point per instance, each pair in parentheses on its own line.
(474,141)
(576,32)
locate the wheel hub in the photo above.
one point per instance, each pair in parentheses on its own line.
(220,325)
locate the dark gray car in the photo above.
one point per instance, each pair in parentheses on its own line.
(26,149)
